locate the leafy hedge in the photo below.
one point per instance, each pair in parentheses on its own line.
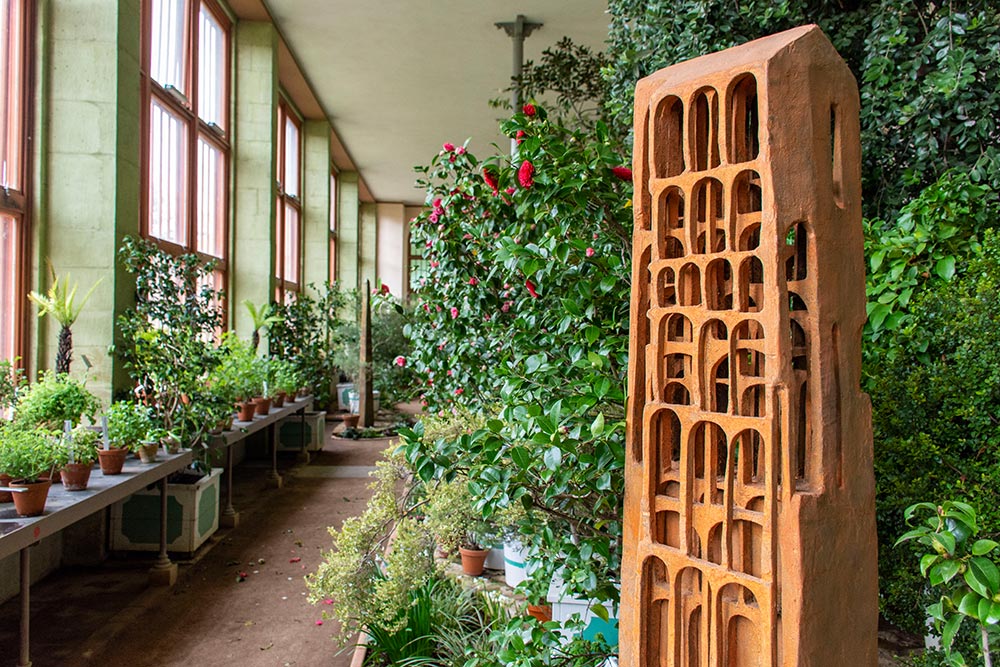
(929,77)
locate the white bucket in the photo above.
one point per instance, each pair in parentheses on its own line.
(343,389)
(515,557)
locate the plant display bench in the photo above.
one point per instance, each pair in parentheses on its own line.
(230,518)
(192,516)
(19,534)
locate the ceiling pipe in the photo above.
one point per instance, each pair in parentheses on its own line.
(518,30)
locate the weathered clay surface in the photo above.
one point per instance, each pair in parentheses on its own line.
(749,509)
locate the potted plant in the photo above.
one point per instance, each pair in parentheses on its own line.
(54,399)
(26,455)
(286,379)
(237,374)
(75,457)
(263,319)
(59,302)
(149,444)
(452,518)
(128,423)
(262,375)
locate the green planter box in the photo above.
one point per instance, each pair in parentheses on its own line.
(290,432)
(192,516)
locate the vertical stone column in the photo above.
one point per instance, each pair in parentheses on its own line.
(368,243)
(393,245)
(256,90)
(316,203)
(348,221)
(749,535)
(87,197)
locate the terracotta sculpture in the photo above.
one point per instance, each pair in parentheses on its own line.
(750,502)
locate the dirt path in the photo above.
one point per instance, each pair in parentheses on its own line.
(107,616)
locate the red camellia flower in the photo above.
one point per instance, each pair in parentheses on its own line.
(525,174)
(449,147)
(473,281)
(437,203)
(385,288)
(400,361)
(590,252)
(511,191)
(529,109)
(459,391)
(531,288)
(460,150)
(520,136)
(491,179)
(454,312)
(623,173)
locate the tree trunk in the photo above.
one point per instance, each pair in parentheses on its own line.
(367,405)
(65,353)
(255,339)
(987,659)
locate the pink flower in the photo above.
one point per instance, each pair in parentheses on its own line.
(473,281)
(520,136)
(511,191)
(486,317)
(385,288)
(590,252)
(525,173)
(450,373)
(451,158)
(506,306)
(429,244)
(623,173)
(437,203)
(319,622)
(459,391)
(491,179)
(427,308)
(434,264)
(531,288)
(460,150)
(449,147)
(434,217)
(454,312)
(466,236)
(400,361)
(595,236)
(529,109)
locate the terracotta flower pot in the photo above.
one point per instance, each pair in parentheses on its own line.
(6,496)
(32,501)
(75,476)
(147,452)
(247,409)
(263,406)
(351,421)
(473,560)
(111,460)
(279,399)
(543,612)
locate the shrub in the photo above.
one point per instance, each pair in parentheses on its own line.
(935,415)
(53,399)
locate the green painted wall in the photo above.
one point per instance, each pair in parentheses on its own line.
(316,202)
(89,156)
(253,237)
(348,219)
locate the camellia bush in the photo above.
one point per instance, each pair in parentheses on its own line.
(523,320)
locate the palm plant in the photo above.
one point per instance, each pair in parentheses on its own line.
(263,318)
(60,302)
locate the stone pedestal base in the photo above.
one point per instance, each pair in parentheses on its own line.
(303,457)
(229,520)
(163,575)
(275,481)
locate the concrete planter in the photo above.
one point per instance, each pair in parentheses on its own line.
(565,607)
(192,516)
(290,432)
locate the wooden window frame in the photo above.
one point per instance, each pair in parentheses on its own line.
(188,110)
(285,288)
(16,202)
(334,201)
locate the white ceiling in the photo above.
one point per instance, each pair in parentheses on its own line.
(397,78)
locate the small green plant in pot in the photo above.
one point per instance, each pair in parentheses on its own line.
(54,399)
(453,520)
(128,423)
(75,456)
(27,456)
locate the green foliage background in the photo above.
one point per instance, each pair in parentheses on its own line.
(929,77)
